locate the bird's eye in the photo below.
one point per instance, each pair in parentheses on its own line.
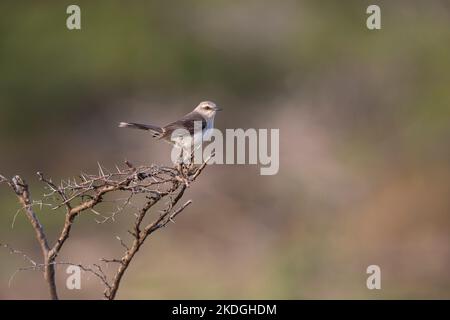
(207,107)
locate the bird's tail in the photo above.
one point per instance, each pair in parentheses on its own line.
(156,131)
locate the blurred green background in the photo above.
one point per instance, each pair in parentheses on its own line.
(364,119)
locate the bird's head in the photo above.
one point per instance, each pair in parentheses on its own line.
(207,109)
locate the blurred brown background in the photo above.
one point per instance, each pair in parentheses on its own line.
(364,119)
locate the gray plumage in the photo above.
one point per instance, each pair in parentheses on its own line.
(204,113)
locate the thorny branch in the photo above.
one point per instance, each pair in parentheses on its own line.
(85,193)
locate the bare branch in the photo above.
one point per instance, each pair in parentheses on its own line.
(86,192)
(21,189)
(14,251)
(176,213)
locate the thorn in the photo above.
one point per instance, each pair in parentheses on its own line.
(100,170)
(83,176)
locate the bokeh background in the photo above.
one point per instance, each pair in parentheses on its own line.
(364,119)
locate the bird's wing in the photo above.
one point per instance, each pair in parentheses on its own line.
(186,123)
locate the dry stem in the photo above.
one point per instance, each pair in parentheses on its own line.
(86,192)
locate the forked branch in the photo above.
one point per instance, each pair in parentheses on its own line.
(86,192)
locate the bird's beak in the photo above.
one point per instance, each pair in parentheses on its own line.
(218,109)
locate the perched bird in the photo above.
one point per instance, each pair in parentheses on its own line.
(203,115)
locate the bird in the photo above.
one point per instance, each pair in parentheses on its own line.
(182,132)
